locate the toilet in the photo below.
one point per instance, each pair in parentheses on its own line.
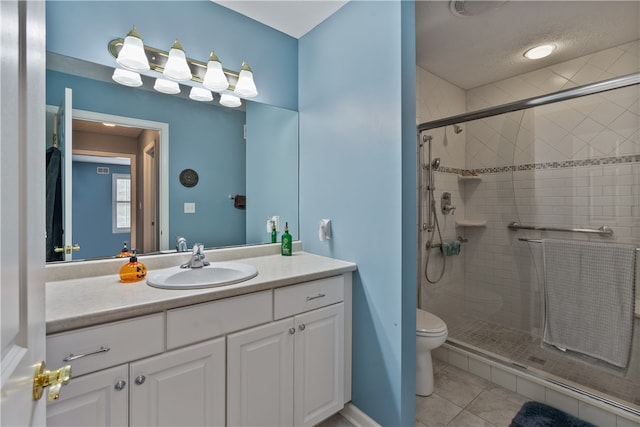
(431,333)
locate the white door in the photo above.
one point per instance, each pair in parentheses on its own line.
(100,399)
(260,375)
(65,143)
(184,387)
(319,365)
(22,208)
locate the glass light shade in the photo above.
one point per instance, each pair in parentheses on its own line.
(176,67)
(245,87)
(200,94)
(167,86)
(539,52)
(132,55)
(230,100)
(214,78)
(126,77)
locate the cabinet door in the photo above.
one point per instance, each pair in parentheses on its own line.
(180,388)
(319,364)
(260,375)
(98,399)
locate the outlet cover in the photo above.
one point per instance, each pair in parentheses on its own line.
(189,208)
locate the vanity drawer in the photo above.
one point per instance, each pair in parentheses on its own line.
(291,300)
(99,347)
(208,320)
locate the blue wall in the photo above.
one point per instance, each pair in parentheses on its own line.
(357,131)
(92,196)
(272,145)
(202,137)
(83,29)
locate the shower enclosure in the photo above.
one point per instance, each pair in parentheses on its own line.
(559,166)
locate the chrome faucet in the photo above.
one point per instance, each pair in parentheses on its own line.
(197,257)
(181,244)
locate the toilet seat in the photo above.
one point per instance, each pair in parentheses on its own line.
(428,324)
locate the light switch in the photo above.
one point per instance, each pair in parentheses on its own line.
(189,208)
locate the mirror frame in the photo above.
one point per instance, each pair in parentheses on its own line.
(163,164)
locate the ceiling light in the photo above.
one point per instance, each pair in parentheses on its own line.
(215,79)
(230,100)
(245,87)
(176,67)
(541,51)
(126,77)
(200,94)
(167,86)
(132,55)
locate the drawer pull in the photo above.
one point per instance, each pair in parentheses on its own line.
(316,297)
(140,379)
(292,331)
(73,357)
(120,385)
(302,327)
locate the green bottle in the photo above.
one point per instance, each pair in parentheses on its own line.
(274,233)
(286,241)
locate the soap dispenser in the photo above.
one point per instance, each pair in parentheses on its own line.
(286,241)
(124,253)
(133,271)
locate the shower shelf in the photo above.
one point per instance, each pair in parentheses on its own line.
(471,223)
(465,178)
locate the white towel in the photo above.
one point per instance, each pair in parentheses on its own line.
(589,298)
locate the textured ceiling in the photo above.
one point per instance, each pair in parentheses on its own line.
(471,51)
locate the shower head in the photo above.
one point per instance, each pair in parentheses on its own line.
(457,129)
(435,164)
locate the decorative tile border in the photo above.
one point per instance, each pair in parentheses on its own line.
(633,158)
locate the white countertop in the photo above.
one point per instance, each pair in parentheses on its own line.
(87,301)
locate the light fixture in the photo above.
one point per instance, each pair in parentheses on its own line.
(126,77)
(214,78)
(132,55)
(230,100)
(539,52)
(200,94)
(245,87)
(166,86)
(176,67)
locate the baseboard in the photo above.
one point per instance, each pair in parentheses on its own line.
(356,417)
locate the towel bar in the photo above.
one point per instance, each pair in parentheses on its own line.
(604,231)
(524,239)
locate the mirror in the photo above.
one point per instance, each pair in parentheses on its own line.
(229,158)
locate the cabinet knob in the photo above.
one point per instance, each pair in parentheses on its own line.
(302,327)
(120,385)
(292,331)
(140,379)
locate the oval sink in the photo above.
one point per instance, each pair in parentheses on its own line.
(212,275)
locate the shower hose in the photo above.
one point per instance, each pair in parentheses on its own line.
(429,243)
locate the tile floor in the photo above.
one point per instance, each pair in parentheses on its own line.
(526,350)
(460,399)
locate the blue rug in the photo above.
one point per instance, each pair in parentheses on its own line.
(536,414)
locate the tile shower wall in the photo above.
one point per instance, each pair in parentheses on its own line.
(436,99)
(573,163)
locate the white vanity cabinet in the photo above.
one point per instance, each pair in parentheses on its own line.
(98,399)
(291,371)
(183,387)
(271,357)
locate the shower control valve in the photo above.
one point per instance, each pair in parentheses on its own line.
(445,203)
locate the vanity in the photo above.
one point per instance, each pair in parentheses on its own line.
(273,350)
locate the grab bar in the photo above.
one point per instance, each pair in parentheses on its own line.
(603,231)
(524,239)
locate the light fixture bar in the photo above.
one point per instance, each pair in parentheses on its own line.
(158,58)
